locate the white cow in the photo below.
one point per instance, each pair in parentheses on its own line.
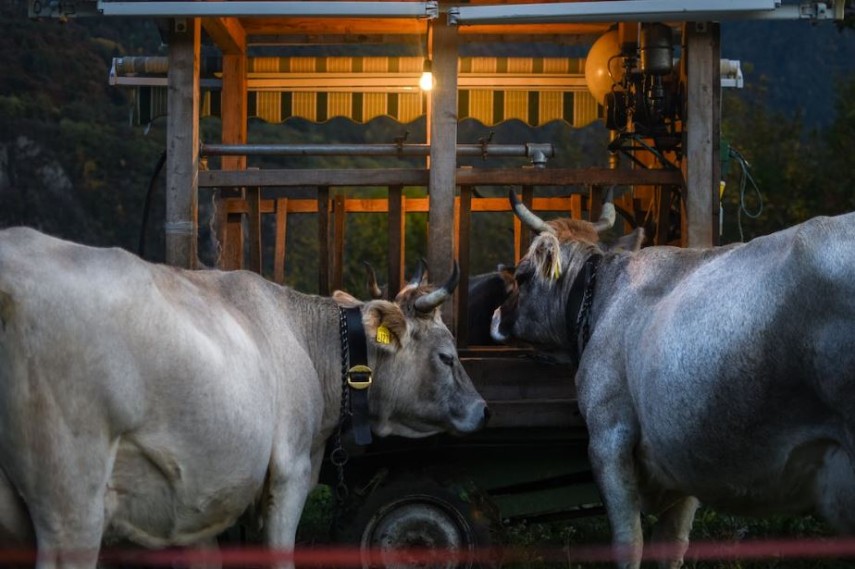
(149,403)
(721,375)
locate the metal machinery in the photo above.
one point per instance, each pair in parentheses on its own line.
(660,107)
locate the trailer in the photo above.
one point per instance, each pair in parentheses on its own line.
(652,74)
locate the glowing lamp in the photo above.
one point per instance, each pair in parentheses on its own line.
(426,80)
(604,66)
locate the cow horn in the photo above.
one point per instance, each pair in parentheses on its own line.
(421,269)
(607,214)
(433,299)
(373,287)
(527,217)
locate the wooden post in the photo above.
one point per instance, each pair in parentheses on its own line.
(281,237)
(663,201)
(324,241)
(443,157)
(465,232)
(182,155)
(339,219)
(522,234)
(396,240)
(701,169)
(253,203)
(234,120)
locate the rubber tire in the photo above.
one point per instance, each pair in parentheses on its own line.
(416,512)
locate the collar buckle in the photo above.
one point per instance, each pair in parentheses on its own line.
(359,377)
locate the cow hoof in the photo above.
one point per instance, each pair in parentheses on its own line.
(417,522)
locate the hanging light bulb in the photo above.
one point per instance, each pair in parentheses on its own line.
(426,80)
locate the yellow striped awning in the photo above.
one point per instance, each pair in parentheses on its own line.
(490,89)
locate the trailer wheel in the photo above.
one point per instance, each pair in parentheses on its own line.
(422,516)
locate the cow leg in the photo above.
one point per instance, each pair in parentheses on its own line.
(671,532)
(836,492)
(15,526)
(610,453)
(65,496)
(290,483)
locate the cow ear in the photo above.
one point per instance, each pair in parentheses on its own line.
(545,253)
(630,242)
(345,300)
(385,325)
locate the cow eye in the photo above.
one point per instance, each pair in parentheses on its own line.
(447,359)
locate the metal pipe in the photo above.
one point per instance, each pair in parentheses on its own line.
(537,152)
(635,11)
(293,9)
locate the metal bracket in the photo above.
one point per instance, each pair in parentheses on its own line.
(453,14)
(61,9)
(485,142)
(815,11)
(431,10)
(400,140)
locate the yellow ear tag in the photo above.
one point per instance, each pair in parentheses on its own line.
(556,269)
(384,336)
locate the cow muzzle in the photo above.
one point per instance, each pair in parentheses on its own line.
(496,328)
(473,419)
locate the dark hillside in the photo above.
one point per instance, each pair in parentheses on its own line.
(69,162)
(71,165)
(797,64)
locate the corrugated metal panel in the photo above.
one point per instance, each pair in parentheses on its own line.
(305,105)
(375,105)
(585,109)
(516,105)
(516,98)
(340,105)
(410,107)
(480,106)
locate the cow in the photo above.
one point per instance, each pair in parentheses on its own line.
(487,291)
(723,376)
(151,404)
(378,292)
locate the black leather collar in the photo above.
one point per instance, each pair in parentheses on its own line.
(578,307)
(359,376)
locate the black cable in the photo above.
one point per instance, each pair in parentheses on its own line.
(147,204)
(745,179)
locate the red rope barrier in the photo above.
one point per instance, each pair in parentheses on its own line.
(836,548)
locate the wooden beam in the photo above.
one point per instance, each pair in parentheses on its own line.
(566,176)
(419,177)
(321,177)
(182,156)
(570,205)
(443,156)
(342,26)
(535,30)
(227,33)
(702,168)
(365,28)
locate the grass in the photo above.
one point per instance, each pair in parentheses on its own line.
(531,540)
(710,526)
